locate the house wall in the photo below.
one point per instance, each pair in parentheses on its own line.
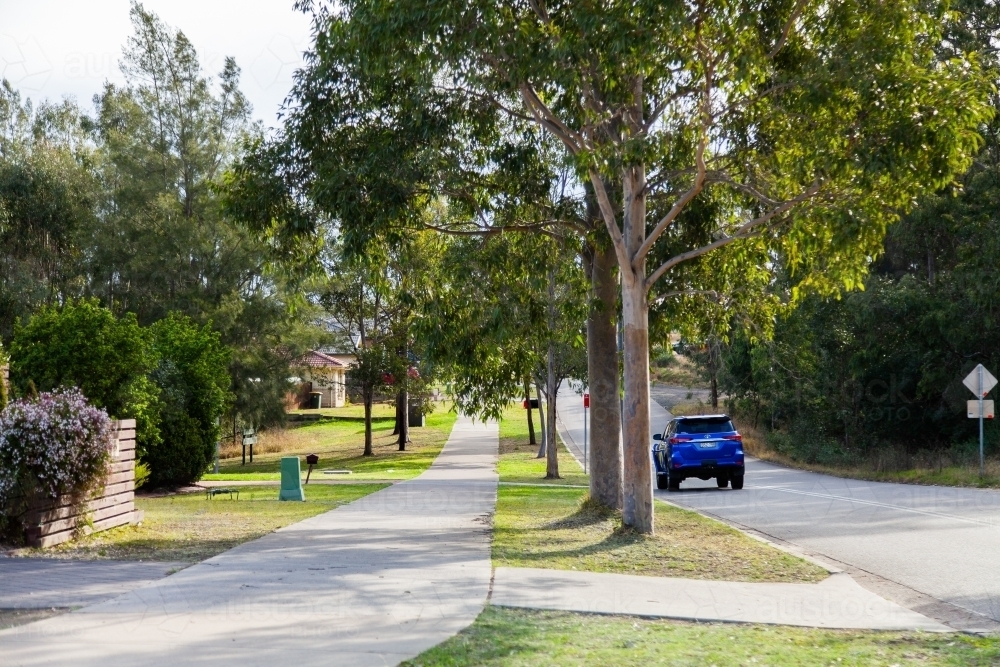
(331,382)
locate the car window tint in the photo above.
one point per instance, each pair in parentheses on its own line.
(698,426)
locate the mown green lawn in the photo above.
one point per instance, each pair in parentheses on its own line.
(339,442)
(518,458)
(503,637)
(189,527)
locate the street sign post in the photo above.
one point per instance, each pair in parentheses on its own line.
(973,409)
(586,409)
(980,381)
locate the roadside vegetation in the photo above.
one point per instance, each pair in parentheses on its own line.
(516,637)
(668,367)
(547,524)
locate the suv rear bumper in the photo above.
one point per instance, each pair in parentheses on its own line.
(704,470)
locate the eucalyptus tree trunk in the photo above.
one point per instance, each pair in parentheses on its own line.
(552,454)
(531,421)
(368,398)
(602,369)
(637,510)
(399,415)
(403,409)
(541,421)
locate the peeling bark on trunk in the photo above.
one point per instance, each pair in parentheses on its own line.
(637,510)
(602,367)
(531,421)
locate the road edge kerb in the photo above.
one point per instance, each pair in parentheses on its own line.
(955,617)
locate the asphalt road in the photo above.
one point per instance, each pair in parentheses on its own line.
(937,541)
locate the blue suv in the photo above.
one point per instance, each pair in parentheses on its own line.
(705,446)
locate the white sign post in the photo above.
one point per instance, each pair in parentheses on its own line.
(586,409)
(979,382)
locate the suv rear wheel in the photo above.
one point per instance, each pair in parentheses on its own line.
(722,481)
(662,482)
(673,482)
(738,482)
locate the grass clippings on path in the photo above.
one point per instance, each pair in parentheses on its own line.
(339,442)
(10,618)
(188,527)
(503,637)
(544,524)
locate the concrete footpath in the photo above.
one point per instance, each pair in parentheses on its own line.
(370,583)
(836,602)
(36,583)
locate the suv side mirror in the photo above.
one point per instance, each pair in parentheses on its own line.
(657,436)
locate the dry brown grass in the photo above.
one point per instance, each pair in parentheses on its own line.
(678,370)
(271,441)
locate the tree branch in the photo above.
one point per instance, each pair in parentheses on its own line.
(796,12)
(610,220)
(544,117)
(699,179)
(745,231)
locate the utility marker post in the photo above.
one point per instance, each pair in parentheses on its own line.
(980,381)
(586,409)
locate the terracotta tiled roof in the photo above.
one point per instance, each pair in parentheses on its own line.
(314,359)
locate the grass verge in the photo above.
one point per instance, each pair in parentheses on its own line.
(518,458)
(514,637)
(339,442)
(556,528)
(188,527)
(548,525)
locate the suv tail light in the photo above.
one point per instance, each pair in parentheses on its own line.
(675,440)
(737,437)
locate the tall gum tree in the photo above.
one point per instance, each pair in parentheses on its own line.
(821,121)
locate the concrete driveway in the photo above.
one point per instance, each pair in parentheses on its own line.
(916,545)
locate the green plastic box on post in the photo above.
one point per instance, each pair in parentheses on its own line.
(291,479)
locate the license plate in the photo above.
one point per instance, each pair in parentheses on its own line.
(706,445)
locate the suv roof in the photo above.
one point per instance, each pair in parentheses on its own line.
(703,417)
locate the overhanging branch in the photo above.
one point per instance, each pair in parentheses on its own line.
(746,230)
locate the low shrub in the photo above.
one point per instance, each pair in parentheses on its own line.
(192,378)
(82,344)
(51,446)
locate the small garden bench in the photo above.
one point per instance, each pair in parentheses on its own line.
(212,493)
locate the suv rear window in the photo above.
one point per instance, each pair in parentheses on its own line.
(698,426)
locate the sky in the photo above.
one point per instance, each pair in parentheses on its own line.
(50,49)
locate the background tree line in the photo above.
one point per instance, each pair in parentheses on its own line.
(111,221)
(875,375)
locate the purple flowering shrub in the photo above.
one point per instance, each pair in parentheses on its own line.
(54,445)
